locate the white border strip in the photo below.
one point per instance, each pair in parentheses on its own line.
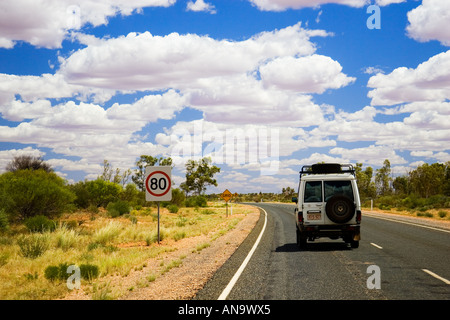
(371,215)
(436,276)
(238,273)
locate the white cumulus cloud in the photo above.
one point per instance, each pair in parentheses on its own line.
(46,23)
(430,81)
(429,21)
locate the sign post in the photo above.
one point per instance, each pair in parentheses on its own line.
(158,184)
(226,195)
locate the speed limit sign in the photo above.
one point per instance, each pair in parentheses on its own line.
(158,183)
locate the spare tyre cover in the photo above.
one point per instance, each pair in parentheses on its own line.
(326,168)
(340,209)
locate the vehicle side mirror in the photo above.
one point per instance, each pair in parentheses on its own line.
(294,199)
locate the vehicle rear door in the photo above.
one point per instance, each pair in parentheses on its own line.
(313,205)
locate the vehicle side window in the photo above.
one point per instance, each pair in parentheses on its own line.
(313,191)
(338,188)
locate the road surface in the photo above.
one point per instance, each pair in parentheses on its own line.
(394,261)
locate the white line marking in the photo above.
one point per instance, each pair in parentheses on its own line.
(410,223)
(436,276)
(376,246)
(238,273)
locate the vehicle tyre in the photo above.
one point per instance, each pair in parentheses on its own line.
(354,244)
(301,240)
(340,209)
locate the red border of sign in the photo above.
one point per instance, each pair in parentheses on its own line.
(161,194)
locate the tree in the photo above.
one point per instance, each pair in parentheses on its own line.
(366,186)
(96,192)
(199,174)
(114,175)
(401,185)
(428,180)
(383,179)
(107,171)
(446,184)
(147,161)
(288,193)
(28,162)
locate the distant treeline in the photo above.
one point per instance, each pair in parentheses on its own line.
(426,187)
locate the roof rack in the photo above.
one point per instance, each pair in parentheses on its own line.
(324,168)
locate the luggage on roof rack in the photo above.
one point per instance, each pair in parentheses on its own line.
(323,168)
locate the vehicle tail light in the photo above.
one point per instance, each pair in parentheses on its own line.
(300,217)
(358,216)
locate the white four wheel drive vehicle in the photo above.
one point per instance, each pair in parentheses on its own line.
(328,204)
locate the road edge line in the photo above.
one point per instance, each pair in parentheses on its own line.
(436,276)
(375,216)
(238,273)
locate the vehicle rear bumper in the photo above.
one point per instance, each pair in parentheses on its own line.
(349,231)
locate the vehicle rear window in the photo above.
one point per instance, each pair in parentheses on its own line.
(338,188)
(313,191)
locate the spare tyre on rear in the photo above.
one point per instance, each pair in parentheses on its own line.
(340,209)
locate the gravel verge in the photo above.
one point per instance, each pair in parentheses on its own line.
(177,274)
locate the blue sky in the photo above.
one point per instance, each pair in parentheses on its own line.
(261,86)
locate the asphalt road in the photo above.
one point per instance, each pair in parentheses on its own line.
(413,263)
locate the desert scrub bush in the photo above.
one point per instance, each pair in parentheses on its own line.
(196,201)
(59,272)
(4,258)
(118,208)
(33,245)
(153,236)
(27,193)
(181,221)
(133,219)
(207,212)
(202,246)
(40,224)
(424,214)
(4,222)
(172,264)
(173,208)
(179,235)
(89,271)
(442,213)
(66,238)
(107,233)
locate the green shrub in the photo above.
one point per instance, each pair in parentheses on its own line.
(196,201)
(179,235)
(96,193)
(424,214)
(40,224)
(4,258)
(51,273)
(113,213)
(442,213)
(173,208)
(178,197)
(412,201)
(89,271)
(181,221)
(207,212)
(118,208)
(27,193)
(34,245)
(133,219)
(59,272)
(4,222)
